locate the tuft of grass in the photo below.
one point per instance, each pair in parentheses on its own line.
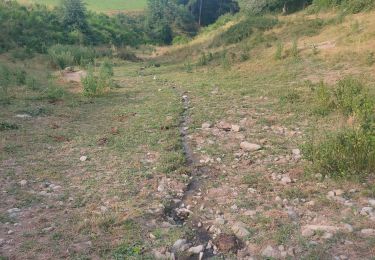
(323,102)
(348,153)
(63,56)
(8,126)
(279,51)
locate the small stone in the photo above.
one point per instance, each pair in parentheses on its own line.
(83,158)
(371,202)
(2,241)
(236,128)
(335,193)
(224,126)
(286,180)
(240,230)
(23,116)
(327,235)
(365,211)
(23,182)
(180,245)
(368,232)
(196,250)
(151,236)
(201,255)
(227,243)
(309,230)
(220,221)
(48,229)
(310,203)
(10,232)
(250,147)
(269,251)
(349,228)
(206,125)
(296,152)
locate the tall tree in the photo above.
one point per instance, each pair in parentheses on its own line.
(74,15)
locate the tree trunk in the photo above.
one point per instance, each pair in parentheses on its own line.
(200,12)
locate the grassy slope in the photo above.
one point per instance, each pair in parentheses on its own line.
(101,6)
(112,200)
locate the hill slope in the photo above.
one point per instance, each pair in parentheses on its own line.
(101,6)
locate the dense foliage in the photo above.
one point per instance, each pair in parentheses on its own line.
(36,27)
(265,6)
(350,6)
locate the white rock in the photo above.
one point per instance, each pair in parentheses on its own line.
(250,213)
(286,180)
(180,245)
(196,250)
(368,232)
(349,228)
(83,158)
(334,193)
(23,116)
(206,125)
(296,152)
(371,202)
(250,147)
(151,236)
(240,230)
(236,128)
(309,230)
(2,241)
(269,251)
(10,232)
(365,211)
(23,182)
(220,221)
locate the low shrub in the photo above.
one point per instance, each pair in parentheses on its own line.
(180,39)
(63,56)
(245,28)
(95,85)
(322,96)
(8,126)
(349,153)
(279,51)
(352,98)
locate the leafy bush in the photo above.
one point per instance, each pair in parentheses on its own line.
(8,126)
(279,51)
(352,99)
(245,28)
(180,39)
(349,153)
(63,56)
(96,85)
(349,6)
(322,99)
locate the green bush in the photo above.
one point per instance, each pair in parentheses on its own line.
(352,98)
(349,6)
(64,56)
(95,85)
(8,126)
(323,102)
(180,39)
(245,28)
(349,153)
(279,51)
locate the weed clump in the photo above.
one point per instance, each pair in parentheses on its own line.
(96,85)
(63,56)
(350,152)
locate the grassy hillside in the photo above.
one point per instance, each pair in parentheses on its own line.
(101,6)
(220,144)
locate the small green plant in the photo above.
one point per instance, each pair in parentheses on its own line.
(351,97)
(8,126)
(203,61)
(294,50)
(279,51)
(370,58)
(63,56)
(349,153)
(32,83)
(225,62)
(54,93)
(180,39)
(124,251)
(188,67)
(323,102)
(292,97)
(96,85)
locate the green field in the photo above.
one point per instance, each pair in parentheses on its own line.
(101,6)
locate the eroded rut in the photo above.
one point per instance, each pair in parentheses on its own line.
(179,210)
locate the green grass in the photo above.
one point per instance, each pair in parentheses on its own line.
(101,6)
